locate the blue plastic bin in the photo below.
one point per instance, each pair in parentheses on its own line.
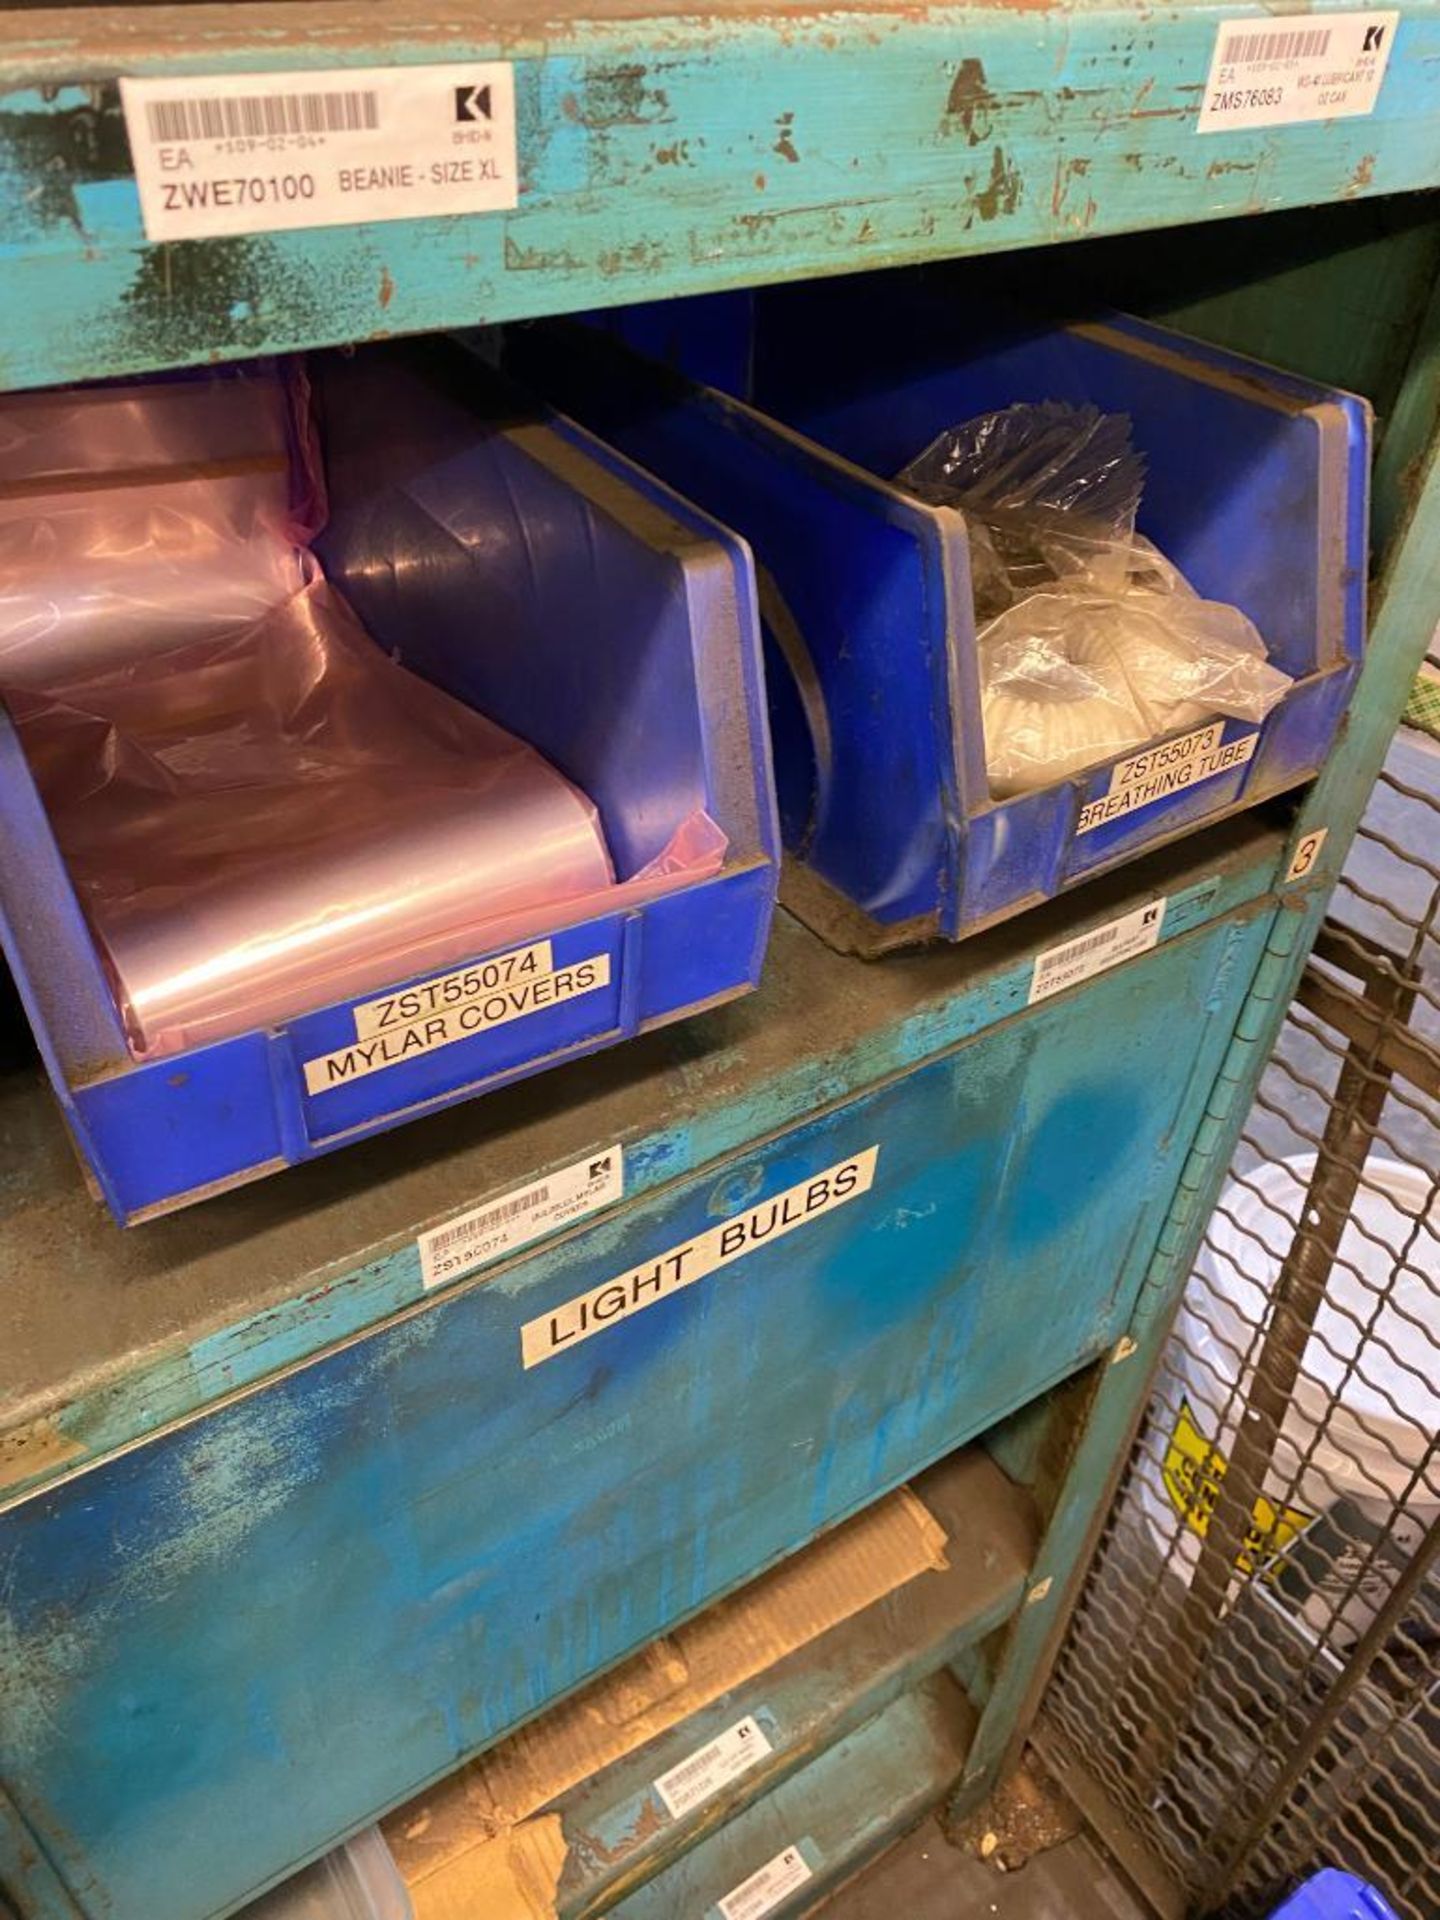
(590,611)
(1256,488)
(1333,1895)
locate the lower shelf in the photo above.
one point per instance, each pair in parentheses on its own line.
(783,1855)
(609,1795)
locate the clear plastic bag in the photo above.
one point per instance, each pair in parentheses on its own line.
(1091,642)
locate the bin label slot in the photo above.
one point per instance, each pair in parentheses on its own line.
(447,1025)
(267,152)
(764,1890)
(681,1266)
(1275,71)
(515,1219)
(718,1762)
(1090,953)
(1168,768)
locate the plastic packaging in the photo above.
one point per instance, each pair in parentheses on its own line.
(260,811)
(254,821)
(1092,644)
(356,1881)
(136,516)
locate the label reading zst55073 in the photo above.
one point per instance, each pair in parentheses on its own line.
(265,152)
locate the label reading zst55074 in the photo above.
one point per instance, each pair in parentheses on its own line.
(265,152)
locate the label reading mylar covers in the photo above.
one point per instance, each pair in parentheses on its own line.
(266,152)
(1272,70)
(383,1041)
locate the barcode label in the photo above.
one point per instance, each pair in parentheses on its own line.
(1276,46)
(764,1891)
(268,152)
(1090,953)
(1295,67)
(1092,943)
(724,1759)
(517,1218)
(448,1237)
(257,116)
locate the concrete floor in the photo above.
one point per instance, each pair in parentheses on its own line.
(924,1878)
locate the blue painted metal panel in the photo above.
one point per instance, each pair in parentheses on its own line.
(234,1642)
(661,152)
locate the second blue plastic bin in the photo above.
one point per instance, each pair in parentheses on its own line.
(796,407)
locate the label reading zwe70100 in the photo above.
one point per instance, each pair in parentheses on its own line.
(1169,768)
(724,1759)
(764,1891)
(518,1217)
(1273,70)
(266,152)
(591,1313)
(390,1045)
(1090,953)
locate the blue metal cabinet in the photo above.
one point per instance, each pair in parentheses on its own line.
(233,1642)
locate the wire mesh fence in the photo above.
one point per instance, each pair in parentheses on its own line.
(1252,1679)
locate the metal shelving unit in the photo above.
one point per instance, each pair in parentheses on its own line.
(286,1536)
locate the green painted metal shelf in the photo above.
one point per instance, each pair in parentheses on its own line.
(661,151)
(850,1803)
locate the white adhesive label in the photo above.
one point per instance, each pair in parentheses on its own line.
(764,1891)
(1169,768)
(1090,953)
(394,1044)
(1272,70)
(726,1757)
(717,1247)
(1307,852)
(266,152)
(456,989)
(519,1217)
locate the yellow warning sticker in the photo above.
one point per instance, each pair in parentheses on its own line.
(1192,1474)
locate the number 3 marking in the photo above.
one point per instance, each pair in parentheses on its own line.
(1305,855)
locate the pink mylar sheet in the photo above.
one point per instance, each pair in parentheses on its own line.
(260,811)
